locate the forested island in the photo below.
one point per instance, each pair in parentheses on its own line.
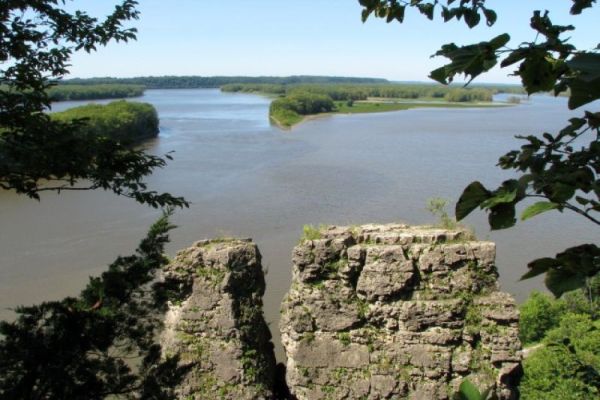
(295,102)
(125,121)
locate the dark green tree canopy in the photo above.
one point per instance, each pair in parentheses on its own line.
(37,39)
(100,344)
(559,171)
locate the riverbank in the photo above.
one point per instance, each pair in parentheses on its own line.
(290,120)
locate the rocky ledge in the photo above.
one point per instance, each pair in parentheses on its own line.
(215,322)
(391,311)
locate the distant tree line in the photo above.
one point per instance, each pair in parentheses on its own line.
(346,92)
(271,88)
(92,92)
(189,82)
(121,120)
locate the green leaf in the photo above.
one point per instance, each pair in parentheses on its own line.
(583,92)
(468,391)
(579,5)
(439,75)
(560,192)
(490,16)
(471,60)
(513,57)
(538,208)
(582,200)
(560,281)
(500,41)
(502,197)
(502,216)
(471,198)
(471,17)
(426,9)
(537,73)
(539,266)
(587,64)
(365,15)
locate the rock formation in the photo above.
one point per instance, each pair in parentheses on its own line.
(373,312)
(390,311)
(215,322)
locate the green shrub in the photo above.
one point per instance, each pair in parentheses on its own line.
(539,314)
(582,332)
(566,367)
(551,374)
(310,232)
(437,206)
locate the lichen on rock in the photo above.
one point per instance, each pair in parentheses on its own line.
(215,321)
(392,311)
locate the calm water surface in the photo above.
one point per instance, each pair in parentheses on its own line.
(247,178)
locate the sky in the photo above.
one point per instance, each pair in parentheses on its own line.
(304,37)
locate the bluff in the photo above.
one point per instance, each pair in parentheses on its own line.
(215,322)
(373,312)
(391,311)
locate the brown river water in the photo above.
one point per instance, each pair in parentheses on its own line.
(247,178)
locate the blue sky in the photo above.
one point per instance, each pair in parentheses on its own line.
(303,37)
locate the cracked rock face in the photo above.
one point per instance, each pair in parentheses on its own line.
(215,321)
(391,311)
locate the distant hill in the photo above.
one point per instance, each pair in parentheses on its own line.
(184,82)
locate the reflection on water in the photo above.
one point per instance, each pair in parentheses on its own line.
(247,178)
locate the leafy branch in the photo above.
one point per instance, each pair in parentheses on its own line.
(98,344)
(560,171)
(38,39)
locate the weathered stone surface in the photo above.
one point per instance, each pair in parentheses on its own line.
(387,272)
(392,311)
(215,322)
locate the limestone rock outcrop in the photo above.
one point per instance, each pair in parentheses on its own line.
(391,311)
(215,321)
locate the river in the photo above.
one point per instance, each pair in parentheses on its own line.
(247,178)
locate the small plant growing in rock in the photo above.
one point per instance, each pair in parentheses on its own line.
(437,206)
(344,338)
(310,232)
(309,337)
(363,308)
